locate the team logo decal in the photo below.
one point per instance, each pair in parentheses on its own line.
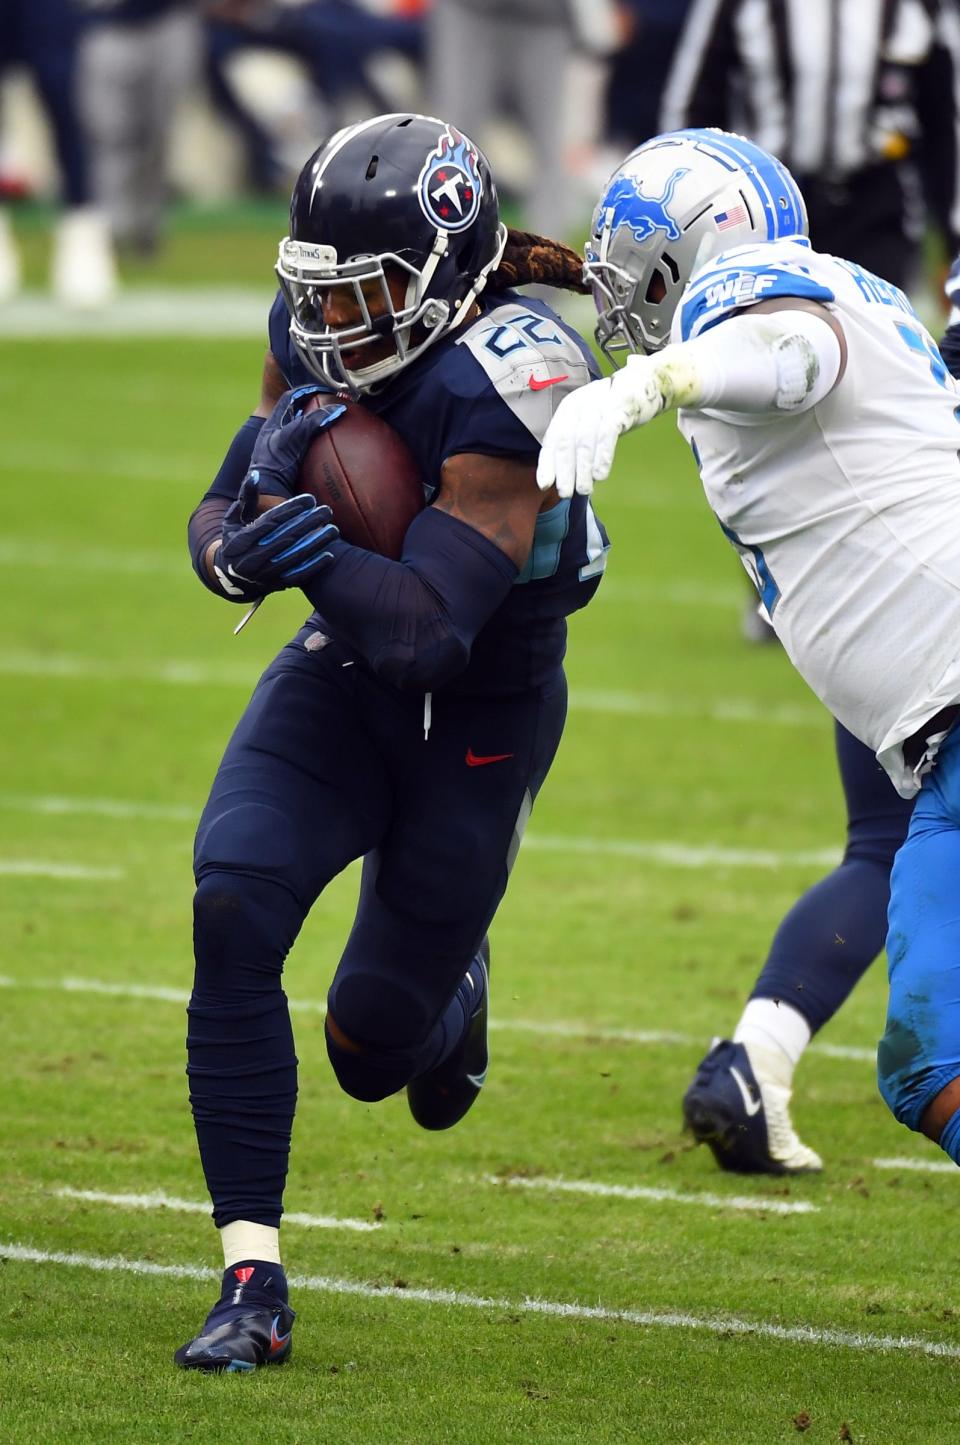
(626,205)
(449,186)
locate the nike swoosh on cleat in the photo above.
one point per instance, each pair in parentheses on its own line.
(537,383)
(278,1342)
(474,760)
(751,1105)
(477,1080)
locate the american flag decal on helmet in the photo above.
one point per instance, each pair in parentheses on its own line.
(734,217)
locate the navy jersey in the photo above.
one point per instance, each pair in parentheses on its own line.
(492,388)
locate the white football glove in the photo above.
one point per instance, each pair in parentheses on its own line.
(581,440)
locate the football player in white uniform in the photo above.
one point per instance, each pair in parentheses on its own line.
(825,427)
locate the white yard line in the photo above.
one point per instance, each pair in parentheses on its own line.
(665,853)
(680,855)
(39,554)
(56,806)
(209,311)
(39,868)
(172,673)
(32,555)
(543,1028)
(644,1319)
(921,1166)
(157,1199)
(745,1203)
(189,673)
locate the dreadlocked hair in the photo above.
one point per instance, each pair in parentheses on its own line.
(528,258)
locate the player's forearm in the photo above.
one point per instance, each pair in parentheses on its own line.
(415,620)
(777,361)
(206,521)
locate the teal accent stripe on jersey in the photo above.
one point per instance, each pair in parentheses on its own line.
(548,538)
(726,292)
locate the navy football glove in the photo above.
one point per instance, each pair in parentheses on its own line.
(284,437)
(283,547)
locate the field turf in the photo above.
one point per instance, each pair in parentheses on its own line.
(695,795)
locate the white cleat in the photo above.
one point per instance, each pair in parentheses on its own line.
(783,1142)
(83,271)
(743,1118)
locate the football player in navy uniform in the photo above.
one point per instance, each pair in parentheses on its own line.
(412,719)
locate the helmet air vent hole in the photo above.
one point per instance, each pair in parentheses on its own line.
(372,168)
(671,266)
(656,289)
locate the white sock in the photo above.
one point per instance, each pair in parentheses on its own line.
(244,1240)
(775,1036)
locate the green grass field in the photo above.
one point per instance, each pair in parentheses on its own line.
(695,795)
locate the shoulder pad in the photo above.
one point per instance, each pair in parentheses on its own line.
(530,359)
(744,277)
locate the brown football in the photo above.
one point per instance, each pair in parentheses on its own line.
(366,474)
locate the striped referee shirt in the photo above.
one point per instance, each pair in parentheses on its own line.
(832,87)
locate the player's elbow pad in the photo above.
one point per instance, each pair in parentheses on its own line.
(777,361)
(415,620)
(434,657)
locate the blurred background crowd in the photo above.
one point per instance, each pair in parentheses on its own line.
(115,112)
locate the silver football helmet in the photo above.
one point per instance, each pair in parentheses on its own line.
(674,203)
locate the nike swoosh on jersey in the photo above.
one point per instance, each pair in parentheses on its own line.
(476,761)
(751,1105)
(537,383)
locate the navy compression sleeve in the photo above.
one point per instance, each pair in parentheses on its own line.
(415,620)
(207,519)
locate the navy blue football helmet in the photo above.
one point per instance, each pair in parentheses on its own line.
(403,194)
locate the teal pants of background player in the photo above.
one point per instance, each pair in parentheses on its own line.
(920,1051)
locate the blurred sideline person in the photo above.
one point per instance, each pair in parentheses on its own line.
(334,40)
(413,718)
(857,98)
(44,36)
(651,30)
(487,57)
(823,421)
(137,59)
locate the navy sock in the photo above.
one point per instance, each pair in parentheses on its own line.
(827,941)
(253,1281)
(833,932)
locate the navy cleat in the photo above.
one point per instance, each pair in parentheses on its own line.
(746,1123)
(250,1325)
(439,1099)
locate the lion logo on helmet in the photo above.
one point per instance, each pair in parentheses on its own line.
(625,204)
(449,187)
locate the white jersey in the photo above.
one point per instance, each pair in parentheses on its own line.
(846,516)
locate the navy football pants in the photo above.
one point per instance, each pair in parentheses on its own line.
(327,765)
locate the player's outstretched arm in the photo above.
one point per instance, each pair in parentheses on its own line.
(782,359)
